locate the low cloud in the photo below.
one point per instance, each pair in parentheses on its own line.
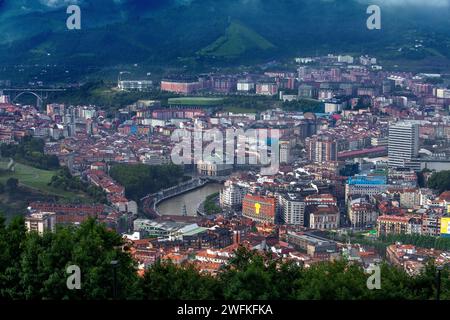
(424,3)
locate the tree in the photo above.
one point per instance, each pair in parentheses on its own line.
(440,181)
(421,177)
(363,103)
(35,266)
(64,180)
(140,179)
(349,170)
(11,248)
(30,151)
(303,105)
(210,205)
(12,184)
(164,280)
(332,281)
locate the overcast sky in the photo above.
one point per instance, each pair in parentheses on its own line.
(434,3)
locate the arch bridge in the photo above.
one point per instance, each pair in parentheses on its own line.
(41,94)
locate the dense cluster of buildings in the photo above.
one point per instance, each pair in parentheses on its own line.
(413,259)
(361,162)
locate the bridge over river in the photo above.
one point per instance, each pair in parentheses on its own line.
(41,94)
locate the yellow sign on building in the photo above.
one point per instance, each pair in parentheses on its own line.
(257,207)
(445,226)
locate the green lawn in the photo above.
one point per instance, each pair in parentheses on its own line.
(33,187)
(35,179)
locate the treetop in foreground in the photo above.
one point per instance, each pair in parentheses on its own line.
(35,267)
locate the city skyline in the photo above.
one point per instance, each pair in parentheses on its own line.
(240,158)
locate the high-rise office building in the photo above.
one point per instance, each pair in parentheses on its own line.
(403,145)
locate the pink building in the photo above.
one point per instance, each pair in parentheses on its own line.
(185,87)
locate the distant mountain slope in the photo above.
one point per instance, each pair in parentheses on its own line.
(237,41)
(164,32)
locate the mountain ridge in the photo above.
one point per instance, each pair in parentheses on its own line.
(237,41)
(163,32)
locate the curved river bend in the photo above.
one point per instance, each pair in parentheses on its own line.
(192,199)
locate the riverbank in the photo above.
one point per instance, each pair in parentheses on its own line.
(191,199)
(210,206)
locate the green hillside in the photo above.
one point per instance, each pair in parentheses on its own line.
(36,180)
(238,40)
(33,186)
(198,33)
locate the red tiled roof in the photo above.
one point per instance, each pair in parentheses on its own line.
(445,196)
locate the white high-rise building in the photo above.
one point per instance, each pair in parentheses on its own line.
(232,195)
(403,145)
(292,209)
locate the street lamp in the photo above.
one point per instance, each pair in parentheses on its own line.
(114,265)
(438,282)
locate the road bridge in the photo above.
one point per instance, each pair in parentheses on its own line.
(41,94)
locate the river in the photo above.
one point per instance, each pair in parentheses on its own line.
(192,199)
